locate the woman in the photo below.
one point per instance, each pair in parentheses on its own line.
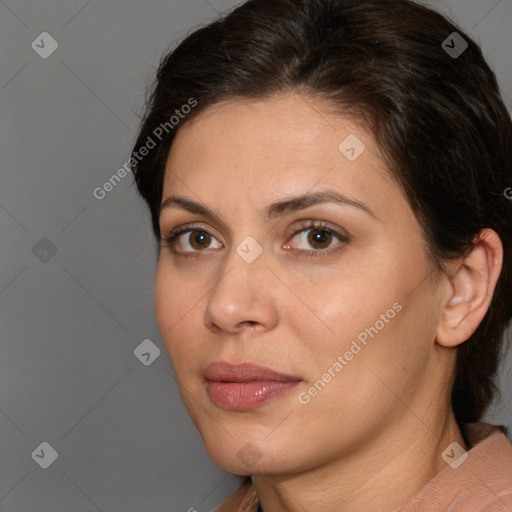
(326,183)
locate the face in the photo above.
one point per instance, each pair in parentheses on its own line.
(331,291)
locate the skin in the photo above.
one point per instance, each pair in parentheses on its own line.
(375,433)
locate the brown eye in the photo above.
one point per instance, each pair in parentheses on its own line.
(186,241)
(199,239)
(319,238)
(315,238)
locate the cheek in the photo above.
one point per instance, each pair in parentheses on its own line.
(165,302)
(366,315)
(336,310)
(176,307)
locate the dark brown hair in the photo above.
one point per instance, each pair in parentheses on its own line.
(438,119)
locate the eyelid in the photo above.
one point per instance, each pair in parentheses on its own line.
(308,223)
(190,226)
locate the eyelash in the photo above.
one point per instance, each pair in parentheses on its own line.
(318,226)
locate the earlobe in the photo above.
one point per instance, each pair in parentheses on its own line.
(472,283)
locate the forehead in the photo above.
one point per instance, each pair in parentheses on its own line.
(271,147)
(281,121)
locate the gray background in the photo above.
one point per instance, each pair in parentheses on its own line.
(70,321)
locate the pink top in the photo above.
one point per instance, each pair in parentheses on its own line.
(481,483)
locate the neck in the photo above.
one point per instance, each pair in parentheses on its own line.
(382,475)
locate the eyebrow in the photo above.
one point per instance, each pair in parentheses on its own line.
(277,209)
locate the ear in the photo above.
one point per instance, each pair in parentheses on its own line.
(471,286)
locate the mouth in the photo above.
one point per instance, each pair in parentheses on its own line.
(245,386)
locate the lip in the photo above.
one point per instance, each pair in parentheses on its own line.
(246,385)
(244,372)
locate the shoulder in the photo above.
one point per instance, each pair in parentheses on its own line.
(479,480)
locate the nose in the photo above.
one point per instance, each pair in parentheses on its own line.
(243,297)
